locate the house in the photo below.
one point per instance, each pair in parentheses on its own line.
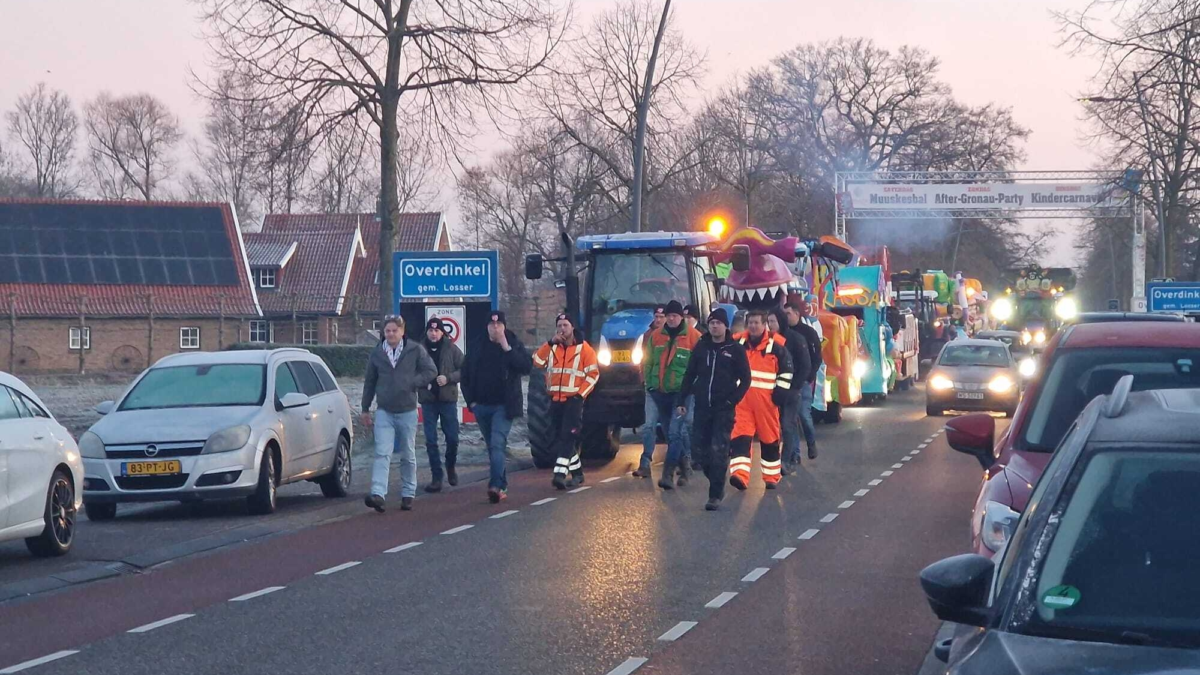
(317,275)
(113,286)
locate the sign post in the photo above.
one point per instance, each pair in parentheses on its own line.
(1173,296)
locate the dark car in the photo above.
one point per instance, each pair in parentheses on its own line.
(1099,575)
(972,375)
(1022,353)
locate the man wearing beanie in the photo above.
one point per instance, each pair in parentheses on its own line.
(667,355)
(439,401)
(717,378)
(798,311)
(572,372)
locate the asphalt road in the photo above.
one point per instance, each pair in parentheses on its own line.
(817,577)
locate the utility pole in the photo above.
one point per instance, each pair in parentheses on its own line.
(639,137)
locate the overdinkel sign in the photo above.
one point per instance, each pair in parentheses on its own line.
(441,275)
(861,197)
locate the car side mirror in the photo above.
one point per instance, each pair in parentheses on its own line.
(104,407)
(293,400)
(741,258)
(533,266)
(957,588)
(975,435)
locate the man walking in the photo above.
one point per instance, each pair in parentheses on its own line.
(789,411)
(798,311)
(717,379)
(667,356)
(758,413)
(491,383)
(571,374)
(439,401)
(396,370)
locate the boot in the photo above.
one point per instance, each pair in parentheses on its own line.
(451,476)
(785,469)
(668,473)
(737,482)
(434,486)
(642,471)
(577,478)
(812,451)
(713,504)
(559,482)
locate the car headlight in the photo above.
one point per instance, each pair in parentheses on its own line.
(1002,310)
(999,521)
(1066,309)
(941,382)
(1027,367)
(227,440)
(1026,337)
(604,354)
(1000,384)
(1040,337)
(860,368)
(91,446)
(638,352)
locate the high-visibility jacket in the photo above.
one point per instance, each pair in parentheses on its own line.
(770,369)
(570,370)
(667,358)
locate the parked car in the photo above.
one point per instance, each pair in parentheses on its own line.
(214,425)
(1022,353)
(972,374)
(40,473)
(1081,362)
(1099,574)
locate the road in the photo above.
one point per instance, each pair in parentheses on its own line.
(620,577)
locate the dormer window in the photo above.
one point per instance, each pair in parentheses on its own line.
(266,278)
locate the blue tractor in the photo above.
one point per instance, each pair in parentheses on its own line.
(625,275)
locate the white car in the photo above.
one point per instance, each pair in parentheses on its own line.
(40,473)
(215,425)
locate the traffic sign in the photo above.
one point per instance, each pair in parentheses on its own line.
(445,274)
(1114,305)
(454,319)
(1177,296)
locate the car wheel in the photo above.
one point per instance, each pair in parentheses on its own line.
(262,502)
(337,482)
(99,512)
(59,532)
(933,411)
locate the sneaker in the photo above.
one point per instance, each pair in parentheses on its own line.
(738,482)
(503,495)
(434,486)
(712,505)
(494,495)
(451,476)
(406,503)
(376,502)
(559,482)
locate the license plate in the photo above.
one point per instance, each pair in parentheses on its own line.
(971,396)
(161,468)
(622,356)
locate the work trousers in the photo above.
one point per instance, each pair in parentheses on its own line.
(566,418)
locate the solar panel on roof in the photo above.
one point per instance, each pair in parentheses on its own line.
(115,244)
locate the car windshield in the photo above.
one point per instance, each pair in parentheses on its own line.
(975,355)
(198,386)
(624,280)
(1122,564)
(1079,375)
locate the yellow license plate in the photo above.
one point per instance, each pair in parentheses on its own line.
(162,468)
(622,356)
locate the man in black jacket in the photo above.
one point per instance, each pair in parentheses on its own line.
(718,376)
(439,401)
(789,412)
(491,384)
(797,309)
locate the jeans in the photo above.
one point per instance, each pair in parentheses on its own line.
(806,420)
(494,425)
(789,425)
(660,407)
(685,431)
(447,411)
(395,433)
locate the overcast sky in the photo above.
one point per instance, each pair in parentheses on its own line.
(991,50)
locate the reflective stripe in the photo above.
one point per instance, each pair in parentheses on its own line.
(738,461)
(762,385)
(783,384)
(538,361)
(770,472)
(762,373)
(567,371)
(591,384)
(561,469)
(770,344)
(785,376)
(563,460)
(770,463)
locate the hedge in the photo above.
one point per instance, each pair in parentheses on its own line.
(343,360)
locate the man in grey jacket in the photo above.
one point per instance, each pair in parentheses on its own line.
(396,370)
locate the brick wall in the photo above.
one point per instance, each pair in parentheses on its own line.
(535,312)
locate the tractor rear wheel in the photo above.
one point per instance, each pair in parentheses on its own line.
(600,441)
(541,433)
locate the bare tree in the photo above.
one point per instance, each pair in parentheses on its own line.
(229,158)
(285,150)
(45,124)
(12,184)
(435,63)
(343,182)
(131,141)
(737,153)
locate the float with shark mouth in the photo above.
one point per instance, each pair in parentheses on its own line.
(770,276)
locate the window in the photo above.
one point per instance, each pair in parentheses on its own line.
(629,281)
(306,378)
(262,331)
(327,381)
(189,337)
(308,333)
(974,355)
(8,409)
(74,337)
(376,325)
(31,407)
(266,278)
(333,331)
(284,382)
(227,384)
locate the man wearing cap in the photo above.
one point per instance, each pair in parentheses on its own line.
(667,355)
(799,313)
(491,384)
(660,318)
(691,317)
(439,401)
(717,378)
(789,409)
(572,372)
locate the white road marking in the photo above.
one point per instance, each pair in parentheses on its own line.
(609,480)
(630,665)
(460,528)
(579,489)
(922,446)
(257,594)
(756,574)
(906,458)
(929,440)
(38,661)
(678,631)
(874,482)
(165,622)
(719,601)
(861,493)
(897,466)
(503,514)
(829,517)
(885,474)
(846,504)
(808,534)
(403,547)
(547,500)
(915,452)
(783,553)
(337,568)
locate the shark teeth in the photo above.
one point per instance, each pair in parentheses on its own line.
(752,294)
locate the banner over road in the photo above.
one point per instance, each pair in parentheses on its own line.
(862,197)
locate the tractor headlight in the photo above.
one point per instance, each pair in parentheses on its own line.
(1002,310)
(860,368)
(638,352)
(941,382)
(1027,367)
(1039,338)
(1000,384)
(1026,337)
(1066,309)
(604,354)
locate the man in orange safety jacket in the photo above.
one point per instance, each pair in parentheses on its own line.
(571,374)
(758,412)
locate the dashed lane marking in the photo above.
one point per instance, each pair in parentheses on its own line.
(338,568)
(257,594)
(609,480)
(719,601)
(808,534)
(41,660)
(906,458)
(922,446)
(861,493)
(403,547)
(630,665)
(885,474)
(846,504)
(677,632)
(875,482)
(897,466)
(579,489)
(915,452)
(460,528)
(547,500)
(829,517)
(756,574)
(165,622)
(783,553)
(503,514)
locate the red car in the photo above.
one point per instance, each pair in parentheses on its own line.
(1081,362)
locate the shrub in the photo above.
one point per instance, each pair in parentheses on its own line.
(343,360)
